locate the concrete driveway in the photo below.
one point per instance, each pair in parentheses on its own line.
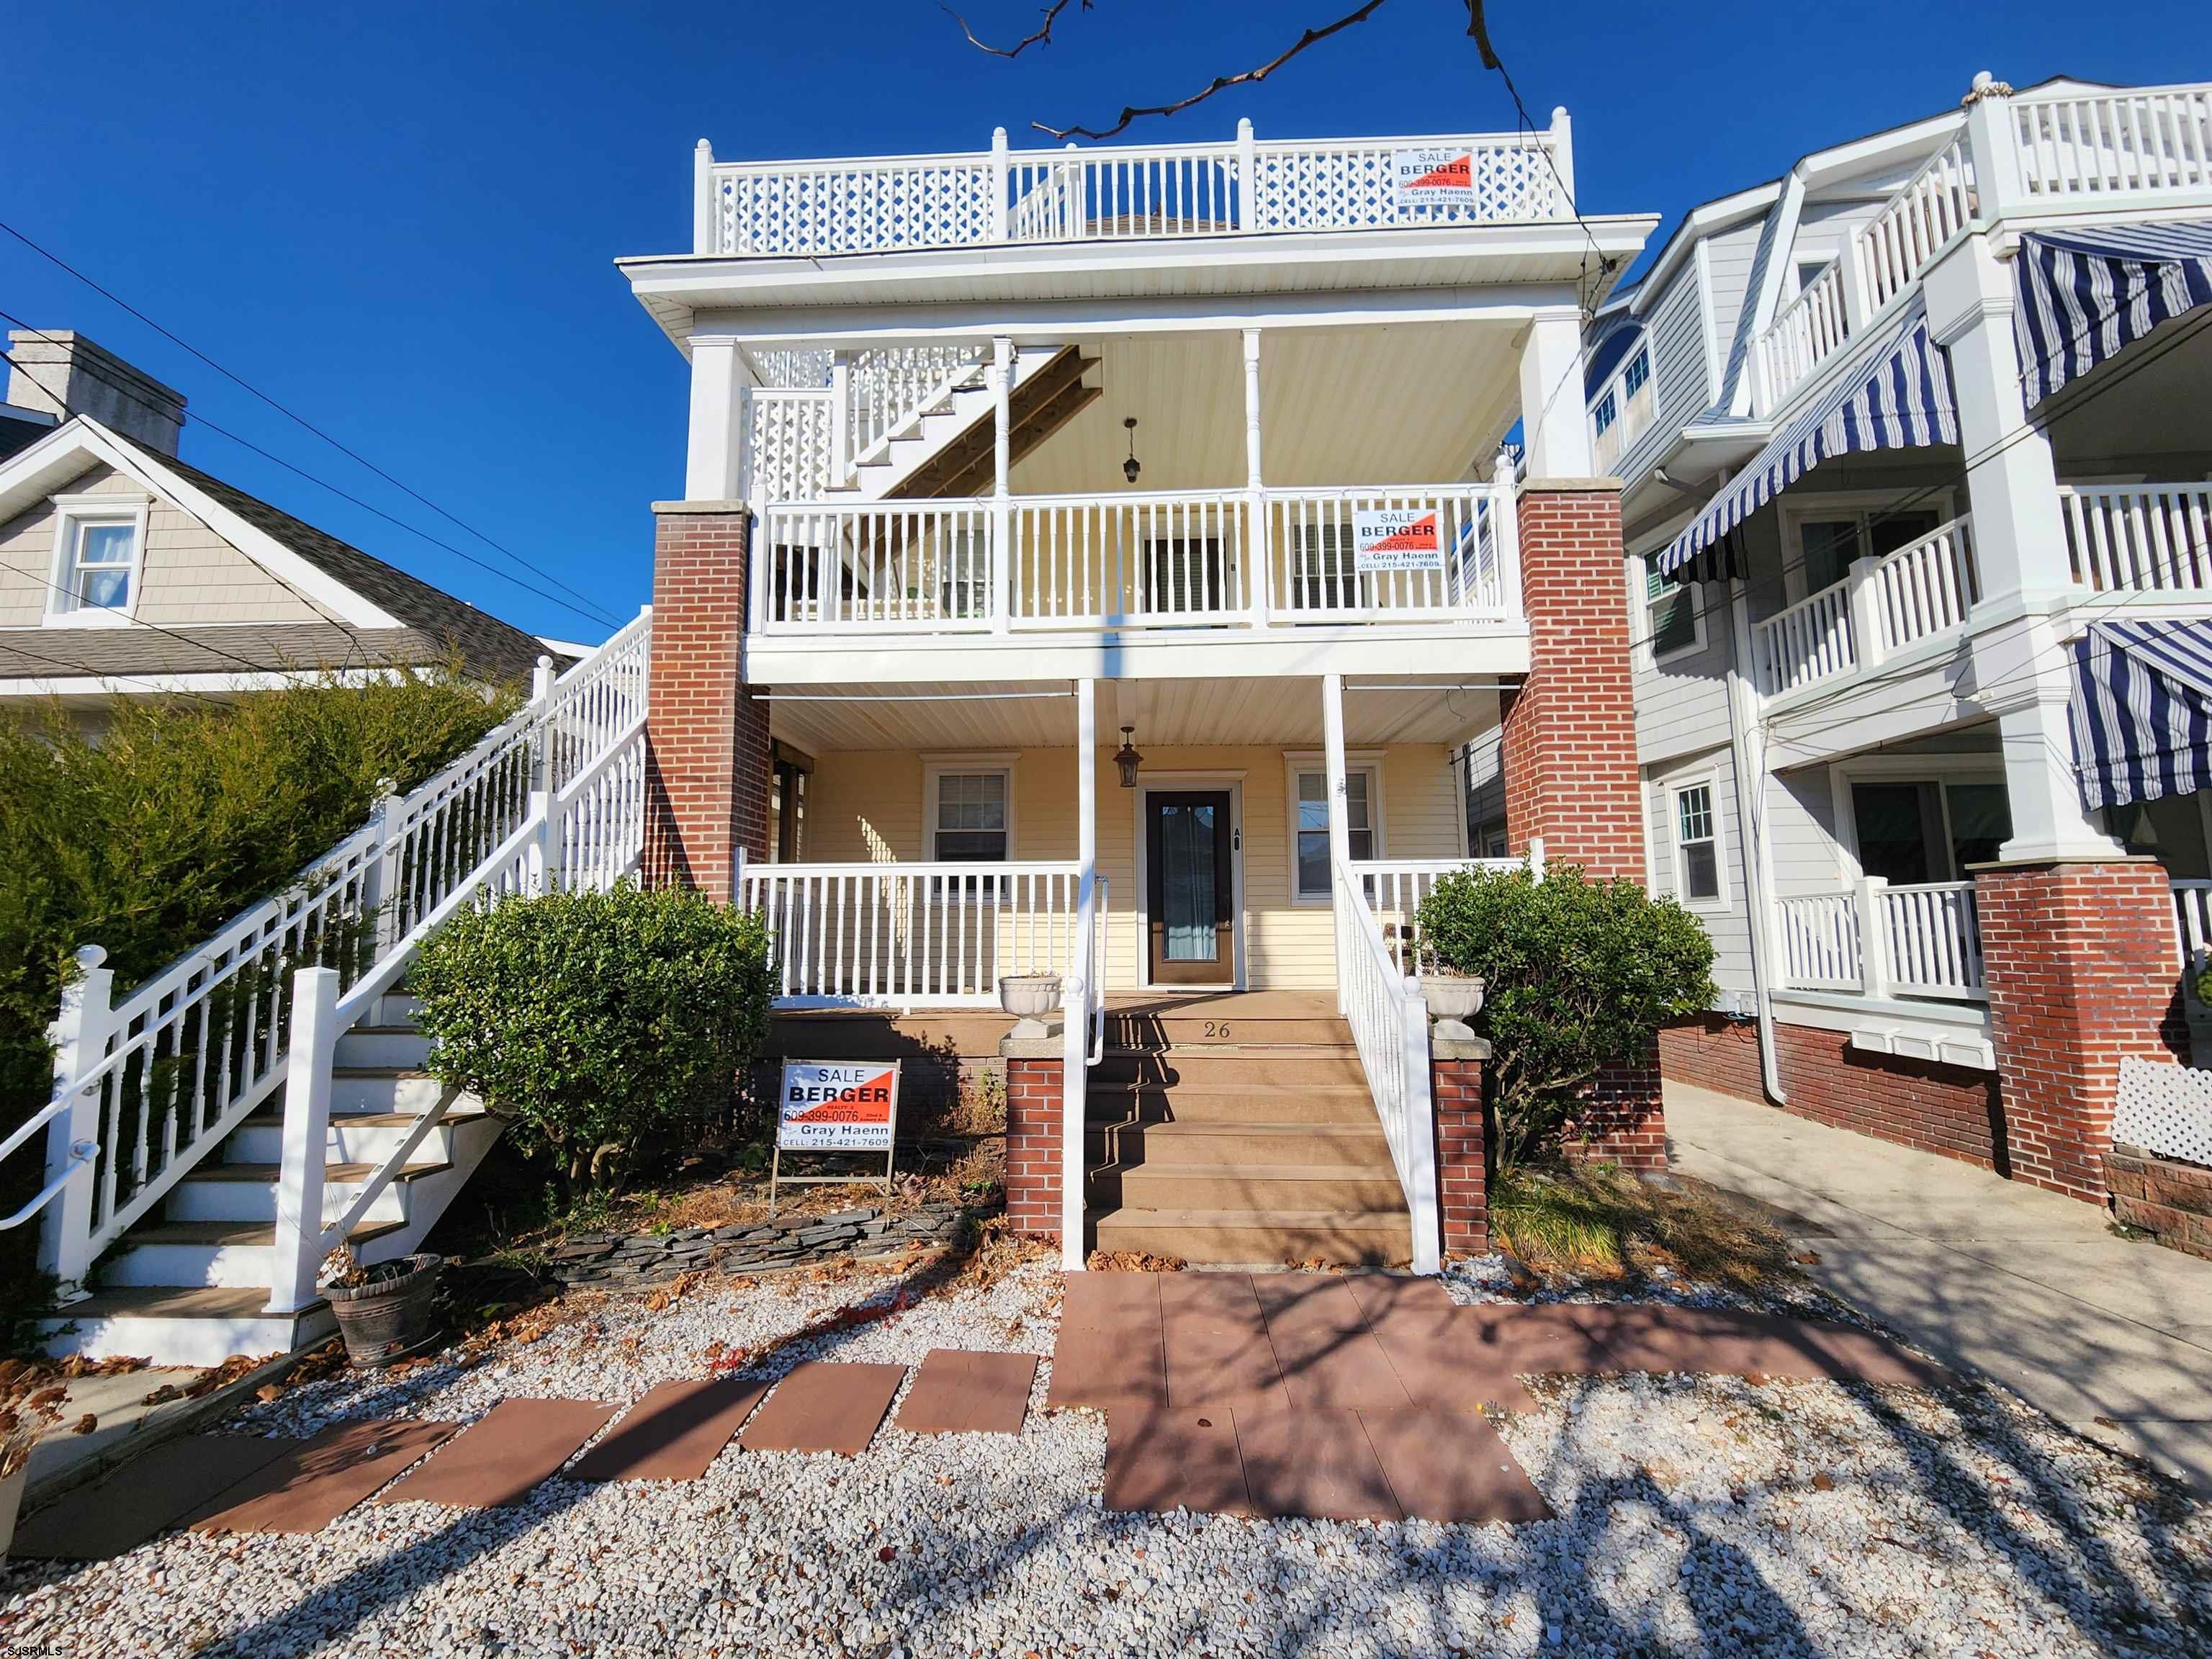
(2113,1338)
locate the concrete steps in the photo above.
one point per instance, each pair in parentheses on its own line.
(1238,1130)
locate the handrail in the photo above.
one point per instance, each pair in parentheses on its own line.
(159,1079)
(1390,1029)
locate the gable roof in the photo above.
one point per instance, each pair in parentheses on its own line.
(375,612)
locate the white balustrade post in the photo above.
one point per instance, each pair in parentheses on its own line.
(542,861)
(1874,974)
(1258,578)
(840,419)
(1078,986)
(1850,277)
(1506,530)
(1562,140)
(1247,177)
(1002,450)
(311,1050)
(1339,827)
(79,1033)
(702,199)
(1864,599)
(1991,140)
(1002,207)
(382,897)
(1536,857)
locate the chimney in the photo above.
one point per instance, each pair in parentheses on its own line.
(62,373)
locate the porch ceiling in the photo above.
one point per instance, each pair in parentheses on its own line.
(1167,713)
(1411,404)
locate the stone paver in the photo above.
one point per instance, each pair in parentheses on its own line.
(2112,1337)
(675,1433)
(311,1485)
(823,1406)
(497,1459)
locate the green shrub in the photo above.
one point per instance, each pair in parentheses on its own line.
(175,816)
(1580,974)
(604,1027)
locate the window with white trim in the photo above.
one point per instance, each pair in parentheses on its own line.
(1622,411)
(97,543)
(1311,852)
(971,817)
(1697,845)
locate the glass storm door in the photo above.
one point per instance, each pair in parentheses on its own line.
(1188,875)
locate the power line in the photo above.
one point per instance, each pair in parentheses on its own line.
(244,443)
(300,420)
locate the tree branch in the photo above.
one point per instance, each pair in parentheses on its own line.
(1220,82)
(1042,35)
(1478,27)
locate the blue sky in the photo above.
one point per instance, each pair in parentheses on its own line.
(402,220)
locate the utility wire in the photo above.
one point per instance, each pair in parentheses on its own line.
(300,420)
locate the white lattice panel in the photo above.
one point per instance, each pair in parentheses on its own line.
(792,443)
(2166,1109)
(851,208)
(1350,188)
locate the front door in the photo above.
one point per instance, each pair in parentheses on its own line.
(1190,898)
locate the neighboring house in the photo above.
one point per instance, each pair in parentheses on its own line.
(1914,443)
(126,572)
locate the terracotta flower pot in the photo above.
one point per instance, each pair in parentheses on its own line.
(389,1318)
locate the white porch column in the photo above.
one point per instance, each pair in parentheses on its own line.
(713,461)
(79,1036)
(1553,423)
(1257,576)
(2012,485)
(297,1255)
(2025,670)
(1084,981)
(1001,378)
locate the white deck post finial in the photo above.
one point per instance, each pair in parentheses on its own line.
(703,238)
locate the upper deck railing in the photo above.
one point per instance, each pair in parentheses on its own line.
(1124,192)
(2029,155)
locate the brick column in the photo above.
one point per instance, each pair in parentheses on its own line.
(2083,971)
(1463,1172)
(707,741)
(1569,740)
(1033,1096)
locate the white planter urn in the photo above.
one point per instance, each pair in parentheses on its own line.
(1453,999)
(1030,997)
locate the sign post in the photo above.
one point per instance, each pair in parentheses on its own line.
(834,1106)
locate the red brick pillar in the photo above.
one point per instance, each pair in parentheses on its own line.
(2083,971)
(1621,1119)
(1462,1174)
(707,742)
(1035,1094)
(1569,739)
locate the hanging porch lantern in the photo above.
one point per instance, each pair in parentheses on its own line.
(1132,467)
(1127,760)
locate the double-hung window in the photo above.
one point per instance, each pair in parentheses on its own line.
(1670,612)
(972,823)
(1697,845)
(98,540)
(1312,827)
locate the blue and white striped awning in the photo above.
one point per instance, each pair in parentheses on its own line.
(1895,395)
(2141,710)
(2086,296)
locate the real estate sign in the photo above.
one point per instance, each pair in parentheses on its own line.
(1396,539)
(837,1106)
(1432,178)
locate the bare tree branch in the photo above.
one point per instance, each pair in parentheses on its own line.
(1479,26)
(1042,35)
(1220,82)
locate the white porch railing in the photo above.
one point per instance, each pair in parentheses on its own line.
(876,204)
(156,1082)
(1390,1028)
(2103,145)
(2139,538)
(1394,888)
(1130,561)
(1922,940)
(1809,642)
(1917,223)
(914,935)
(1808,331)
(1926,589)
(1168,559)
(1919,592)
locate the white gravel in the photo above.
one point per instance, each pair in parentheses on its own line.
(1696,1516)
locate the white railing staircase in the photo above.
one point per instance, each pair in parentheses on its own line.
(213,1134)
(870,425)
